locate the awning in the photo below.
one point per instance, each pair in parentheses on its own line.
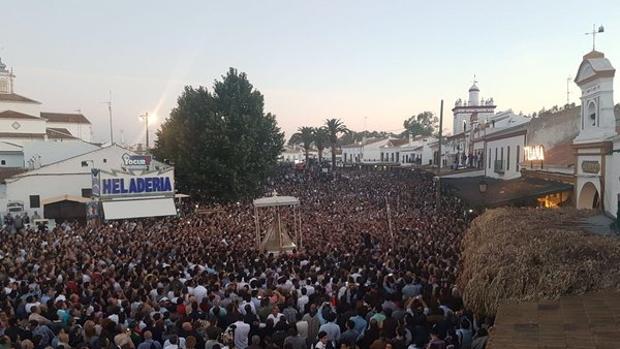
(273,201)
(502,192)
(139,208)
(64,198)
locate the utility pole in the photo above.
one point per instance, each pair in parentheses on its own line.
(439,165)
(109,103)
(146,122)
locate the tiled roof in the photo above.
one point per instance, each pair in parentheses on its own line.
(53,132)
(10,114)
(13,97)
(65,117)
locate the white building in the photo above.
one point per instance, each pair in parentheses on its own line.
(66,180)
(474,111)
(21,119)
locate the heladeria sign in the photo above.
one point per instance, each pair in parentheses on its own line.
(125,184)
(139,185)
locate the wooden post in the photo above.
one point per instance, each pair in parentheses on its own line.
(389,218)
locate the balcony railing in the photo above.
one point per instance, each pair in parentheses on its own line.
(499,166)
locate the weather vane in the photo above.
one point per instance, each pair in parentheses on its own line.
(600,30)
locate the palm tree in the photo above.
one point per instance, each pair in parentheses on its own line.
(335,127)
(305,136)
(321,140)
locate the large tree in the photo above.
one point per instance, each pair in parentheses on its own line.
(305,137)
(335,127)
(423,124)
(222,143)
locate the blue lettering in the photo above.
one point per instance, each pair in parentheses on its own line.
(107,186)
(167,184)
(132,185)
(140,185)
(156,184)
(148,185)
(116,186)
(123,188)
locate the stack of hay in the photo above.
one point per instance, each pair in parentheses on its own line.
(522,254)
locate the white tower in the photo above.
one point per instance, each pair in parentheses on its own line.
(595,77)
(474,95)
(6,79)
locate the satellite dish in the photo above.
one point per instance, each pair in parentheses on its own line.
(601,29)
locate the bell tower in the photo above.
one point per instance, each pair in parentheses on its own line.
(595,78)
(6,79)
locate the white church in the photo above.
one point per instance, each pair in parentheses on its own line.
(22,121)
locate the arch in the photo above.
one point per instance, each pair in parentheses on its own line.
(591,113)
(588,197)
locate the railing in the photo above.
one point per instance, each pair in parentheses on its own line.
(499,166)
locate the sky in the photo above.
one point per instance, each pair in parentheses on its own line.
(370,63)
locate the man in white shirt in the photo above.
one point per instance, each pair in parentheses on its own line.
(275,315)
(303,300)
(242,330)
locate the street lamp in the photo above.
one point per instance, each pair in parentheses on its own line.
(146,122)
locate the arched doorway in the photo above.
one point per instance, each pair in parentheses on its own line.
(588,197)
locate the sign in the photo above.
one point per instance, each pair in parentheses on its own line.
(534,153)
(136,161)
(95,182)
(128,184)
(591,166)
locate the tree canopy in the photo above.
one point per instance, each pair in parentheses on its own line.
(423,124)
(222,143)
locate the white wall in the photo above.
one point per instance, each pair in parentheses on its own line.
(33,109)
(46,186)
(26,126)
(612,181)
(12,160)
(511,169)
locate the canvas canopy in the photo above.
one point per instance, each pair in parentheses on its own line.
(274,201)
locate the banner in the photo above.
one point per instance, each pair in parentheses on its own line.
(128,184)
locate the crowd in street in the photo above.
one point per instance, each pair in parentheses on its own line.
(377,270)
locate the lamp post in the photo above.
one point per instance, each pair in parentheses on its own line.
(146,122)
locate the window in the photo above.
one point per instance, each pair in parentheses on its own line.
(105,161)
(517,157)
(84,163)
(508,158)
(496,154)
(87,192)
(35,202)
(3,162)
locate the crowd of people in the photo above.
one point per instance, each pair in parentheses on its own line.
(377,270)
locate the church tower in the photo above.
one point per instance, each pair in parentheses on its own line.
(6,79)
(595,78)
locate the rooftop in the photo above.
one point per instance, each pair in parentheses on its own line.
(65,118)
(10,114)
(14,97)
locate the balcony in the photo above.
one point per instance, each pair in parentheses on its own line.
(499,167)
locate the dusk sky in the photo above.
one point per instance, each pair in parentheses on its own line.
(310,59)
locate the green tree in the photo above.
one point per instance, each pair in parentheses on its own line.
(222,143)
(335,127)
(321,140)
(305,137)
(423,124)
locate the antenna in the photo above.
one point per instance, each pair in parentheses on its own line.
(109,103)
(568,79)
(594,31)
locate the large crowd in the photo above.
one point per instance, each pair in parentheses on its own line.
(377,270)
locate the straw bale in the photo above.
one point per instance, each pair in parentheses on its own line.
(526,254)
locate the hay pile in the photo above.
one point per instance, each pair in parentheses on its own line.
(531,254)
